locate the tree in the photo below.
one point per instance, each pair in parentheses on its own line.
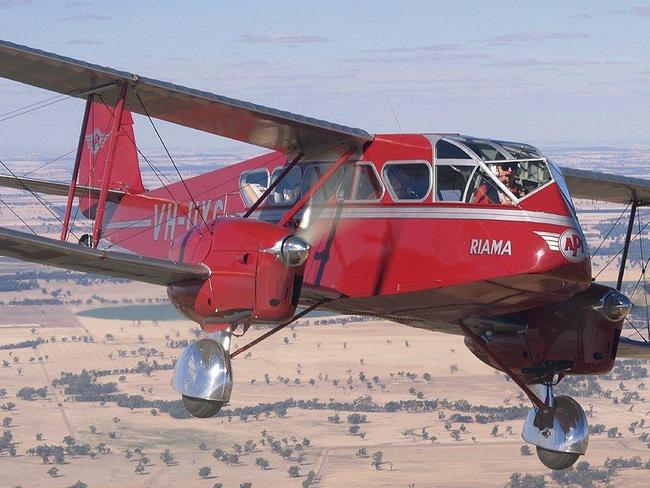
(53,472)
(167,457)
(6,422)
(495,431)
(140,468)
(203,446)
(525,451)
(262,463)
(377,459)
(204,472)
(294,471)
(79,484)
(249,446)
(39,437)
(362,452)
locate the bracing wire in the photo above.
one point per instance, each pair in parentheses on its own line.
(170,156)
(610,230)
(619,252)
(42,201)
(18,217)
(58,158)
(207,190)
(20,109)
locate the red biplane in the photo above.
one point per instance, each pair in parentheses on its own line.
(443,232)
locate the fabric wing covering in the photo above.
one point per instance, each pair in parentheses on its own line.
(43,250)
(216,114)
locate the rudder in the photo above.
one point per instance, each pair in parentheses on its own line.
(125,174)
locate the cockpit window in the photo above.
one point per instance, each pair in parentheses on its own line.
(516,180)
(447,150)
(487,152)
(407,181)
(520,151)
(483,190)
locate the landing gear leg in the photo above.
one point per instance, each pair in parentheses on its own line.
(203,374)
(560,431)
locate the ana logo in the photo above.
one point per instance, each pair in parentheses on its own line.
(572,246)
(96,140)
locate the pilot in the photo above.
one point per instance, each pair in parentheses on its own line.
(507,174)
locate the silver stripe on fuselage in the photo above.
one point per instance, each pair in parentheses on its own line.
(421,212)
(129,223)
(386,212)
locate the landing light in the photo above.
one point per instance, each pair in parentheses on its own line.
(617,306)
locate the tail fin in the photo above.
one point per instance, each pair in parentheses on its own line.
(125,174)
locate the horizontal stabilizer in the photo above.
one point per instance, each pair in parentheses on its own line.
(55,188)
(629,348)
(215,114)
(592,185)
(76,257)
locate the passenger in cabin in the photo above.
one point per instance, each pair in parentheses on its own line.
(488,193)
(291,195)
(402,186)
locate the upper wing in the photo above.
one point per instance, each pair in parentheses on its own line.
(605,187)
(51,252)
(216,114)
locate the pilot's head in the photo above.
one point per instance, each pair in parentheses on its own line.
(506,172)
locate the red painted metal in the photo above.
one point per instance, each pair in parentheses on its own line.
(106,177)
(503,366)
(573,337)
(249,283)
(75,170)
(411,262)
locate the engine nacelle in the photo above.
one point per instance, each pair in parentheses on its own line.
(256,277)
(578,336)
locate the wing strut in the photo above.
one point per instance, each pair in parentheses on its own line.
(106,178)
(321,181)
(626,246)
(75,171)
(272,186)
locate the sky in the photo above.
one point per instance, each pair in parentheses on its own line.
(544,72)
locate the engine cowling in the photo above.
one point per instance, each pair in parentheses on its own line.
(578,336)
(256,273)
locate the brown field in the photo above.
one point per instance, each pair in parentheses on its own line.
(317,352)
(477,460)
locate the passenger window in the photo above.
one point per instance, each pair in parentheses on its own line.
(315,172)
(451,182)
(408,181)
(368,185)
(288,190)
(253,184)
